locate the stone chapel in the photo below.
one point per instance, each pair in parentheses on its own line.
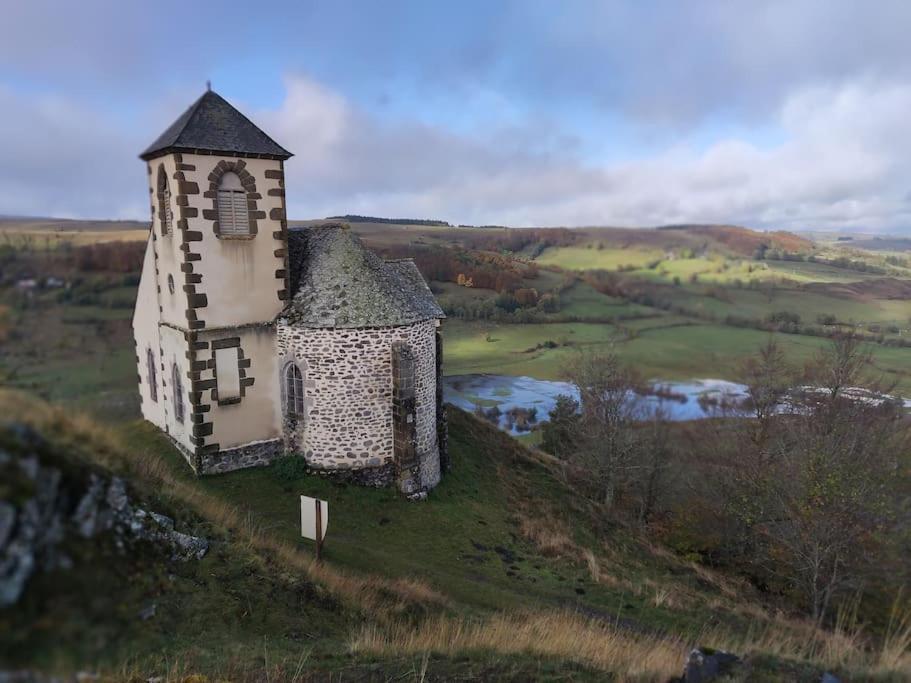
(255,341)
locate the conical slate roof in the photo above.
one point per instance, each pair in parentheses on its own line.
(337,282)
(213,125)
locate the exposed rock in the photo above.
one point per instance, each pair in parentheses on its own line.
(188,546)
(117,495)
(162,520)
(705,664)
(43,513)
(148,612)
(86,514)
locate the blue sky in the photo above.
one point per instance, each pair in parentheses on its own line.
(771,114)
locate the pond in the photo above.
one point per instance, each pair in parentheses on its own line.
(519,404)
(515,397)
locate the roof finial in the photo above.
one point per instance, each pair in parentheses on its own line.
(208,86)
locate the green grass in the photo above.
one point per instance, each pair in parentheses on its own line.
(243,613)
(81,355)
(713,267)
(800,271)
(663,348)
(583,301)
(463,541)
(469,352)
(582,258)
(754,303)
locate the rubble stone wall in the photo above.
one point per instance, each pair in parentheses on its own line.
(348,395)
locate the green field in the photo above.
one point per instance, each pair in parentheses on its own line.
(809,305)
(582,258)
(663,348)
(654,264)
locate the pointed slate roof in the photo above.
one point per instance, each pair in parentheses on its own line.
(213,125)
(337,282)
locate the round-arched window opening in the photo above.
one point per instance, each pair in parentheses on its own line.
(170,283)
(231,202)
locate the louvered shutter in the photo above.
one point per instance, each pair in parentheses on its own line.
(168,214)
(232,213)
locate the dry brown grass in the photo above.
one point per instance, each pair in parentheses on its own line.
(635,656)
(549,534)
(39,239)
(895,654)
(556,634)
(562,635)
(843,647)
(383,598)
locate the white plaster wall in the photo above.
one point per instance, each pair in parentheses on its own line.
(145,333)
(238,275)
(174,351)
(348,391)
(257,417)
(167,248)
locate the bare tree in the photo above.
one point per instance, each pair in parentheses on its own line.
(654,461)
(606,445)
(813,487)
(768,380)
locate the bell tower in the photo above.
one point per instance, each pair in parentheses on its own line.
(215,277)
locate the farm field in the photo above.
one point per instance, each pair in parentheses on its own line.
(78,348)
(808,304)
(668,348)
(47,234)
(719,268)
(580,258)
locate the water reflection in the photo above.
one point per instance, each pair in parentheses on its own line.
(517,404)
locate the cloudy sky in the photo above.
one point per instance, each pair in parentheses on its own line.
(793,114)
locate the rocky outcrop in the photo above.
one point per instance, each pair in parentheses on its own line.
(705,664)
(45,504)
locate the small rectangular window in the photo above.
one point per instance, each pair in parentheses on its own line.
(227,373)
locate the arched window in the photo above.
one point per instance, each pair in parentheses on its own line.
(165,215)
(293,383)
(233,218)
(177,387)
(152,374)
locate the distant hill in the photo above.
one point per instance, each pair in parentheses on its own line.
(881,244)
(354,218)
(43,224)
(746,241)
(735,239)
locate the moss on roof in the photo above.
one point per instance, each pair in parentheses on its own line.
(337,282)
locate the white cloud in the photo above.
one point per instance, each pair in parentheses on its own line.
(63,159)
(844,162)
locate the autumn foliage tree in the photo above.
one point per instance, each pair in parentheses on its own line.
(813,483)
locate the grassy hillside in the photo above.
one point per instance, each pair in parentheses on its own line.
(502,573)
(51,233)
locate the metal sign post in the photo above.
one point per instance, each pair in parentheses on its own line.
(314,521)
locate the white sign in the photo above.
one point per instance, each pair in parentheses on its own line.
(310,509)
